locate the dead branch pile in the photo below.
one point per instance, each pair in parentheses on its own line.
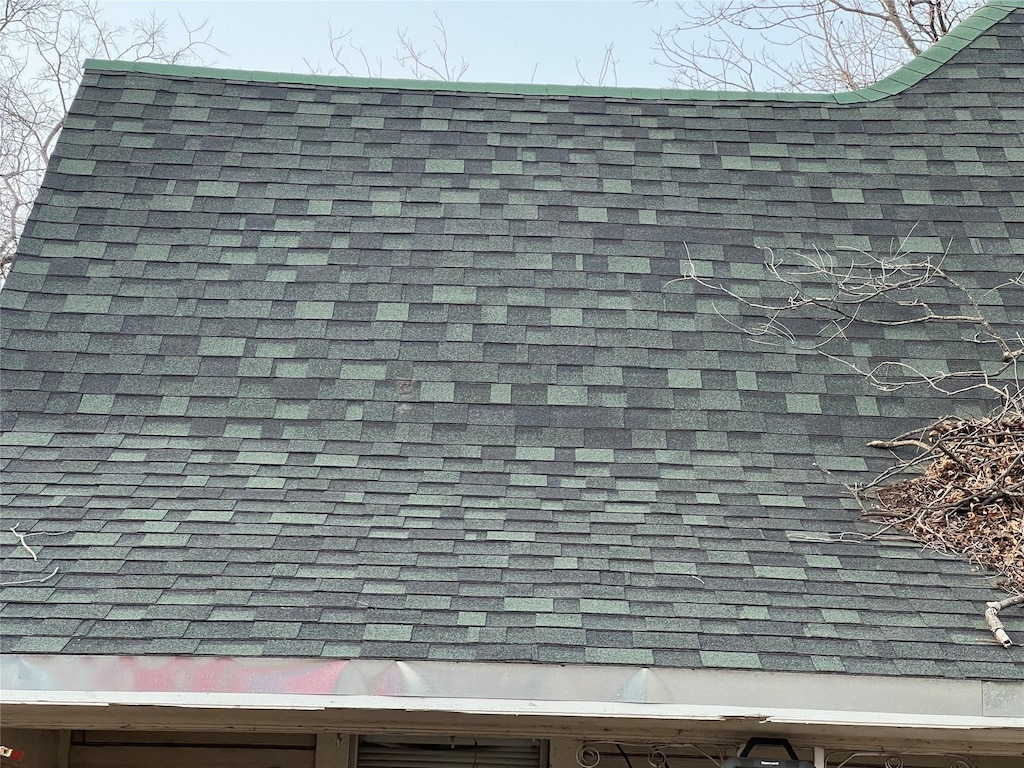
(969,497)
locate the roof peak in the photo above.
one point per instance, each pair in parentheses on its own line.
(909,74)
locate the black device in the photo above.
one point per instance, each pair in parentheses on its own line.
(744,761)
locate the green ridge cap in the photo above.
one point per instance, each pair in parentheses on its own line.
(952,43)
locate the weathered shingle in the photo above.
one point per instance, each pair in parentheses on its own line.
(329,367)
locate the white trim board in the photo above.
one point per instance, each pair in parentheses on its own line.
(390,692)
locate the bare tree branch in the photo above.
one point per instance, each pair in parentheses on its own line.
(340,43)
(800,45)
(962,490)
(43,44)
(417,62)
(992,618)
(420,63)
(607,74)
(838,289)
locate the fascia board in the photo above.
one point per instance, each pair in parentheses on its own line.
(536,689)
(691,713)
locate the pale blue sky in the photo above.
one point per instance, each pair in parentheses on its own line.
(502,40)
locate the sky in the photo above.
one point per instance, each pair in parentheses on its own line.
(502,40)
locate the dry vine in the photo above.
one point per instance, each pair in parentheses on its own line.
(969,496)
(962,489)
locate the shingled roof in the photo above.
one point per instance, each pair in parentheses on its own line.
(314,367)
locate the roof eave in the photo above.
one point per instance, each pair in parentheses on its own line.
(387,693)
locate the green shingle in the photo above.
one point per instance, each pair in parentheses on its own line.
(779,572)
(737,163)
(385,208)
(635,264)
(629,656)
(217,188)
(730,659)
(847,195)
(446,166)
(261,457)
(314,310)
(684,379)
(535,454)
(604,606)
(173,406)
(567,395)
(393,311)
(393,632)
(454,294)
(595,454)
(803,403)
(87,304)
(76,167)
(617,185)
(530,604)
(414,350)
(291,410)
(96,404)
(221,347)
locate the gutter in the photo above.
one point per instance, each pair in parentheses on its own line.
(39,687)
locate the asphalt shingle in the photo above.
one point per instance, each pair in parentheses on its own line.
(308,366)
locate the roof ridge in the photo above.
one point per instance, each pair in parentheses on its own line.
(909,74)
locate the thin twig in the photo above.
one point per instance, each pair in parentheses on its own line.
(39,580)
(21,541)
(963,490)
(23,536)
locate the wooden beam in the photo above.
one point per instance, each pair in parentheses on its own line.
(562,753)
(63,749)
(992,741)
(334,750)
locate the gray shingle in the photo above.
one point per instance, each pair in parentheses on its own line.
(352,394)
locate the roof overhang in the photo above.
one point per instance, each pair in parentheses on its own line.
(529,699)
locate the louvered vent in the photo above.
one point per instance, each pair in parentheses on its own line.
(397,752)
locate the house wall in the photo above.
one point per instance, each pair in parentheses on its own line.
(41,749)
(153,749)
(241,749)
(564,752)
(159,749)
